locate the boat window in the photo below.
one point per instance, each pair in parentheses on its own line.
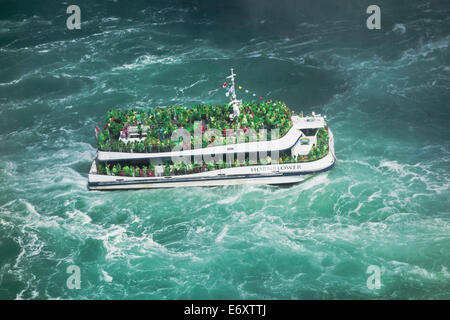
(310,132)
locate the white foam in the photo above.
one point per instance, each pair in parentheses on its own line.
(222,234)
(146,60)
(106,276)
(392,165)
(356,210)
(399,28)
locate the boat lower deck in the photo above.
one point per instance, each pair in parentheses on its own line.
(264,174)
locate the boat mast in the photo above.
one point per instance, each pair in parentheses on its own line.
(234,101)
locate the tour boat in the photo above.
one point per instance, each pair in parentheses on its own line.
(135,151)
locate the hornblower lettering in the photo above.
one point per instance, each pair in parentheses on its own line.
(201,310)
(279,167)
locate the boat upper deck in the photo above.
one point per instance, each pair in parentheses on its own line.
(263,126)
(288,141)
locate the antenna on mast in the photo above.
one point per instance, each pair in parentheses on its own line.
(234,101)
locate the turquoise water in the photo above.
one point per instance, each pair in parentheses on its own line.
(386,203)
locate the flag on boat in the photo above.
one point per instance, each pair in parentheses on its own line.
(229,90)
(97,130)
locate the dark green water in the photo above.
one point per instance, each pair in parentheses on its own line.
(386,203)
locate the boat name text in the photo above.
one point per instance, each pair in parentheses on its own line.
(277,167)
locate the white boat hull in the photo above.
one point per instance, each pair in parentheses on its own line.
(274,174)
